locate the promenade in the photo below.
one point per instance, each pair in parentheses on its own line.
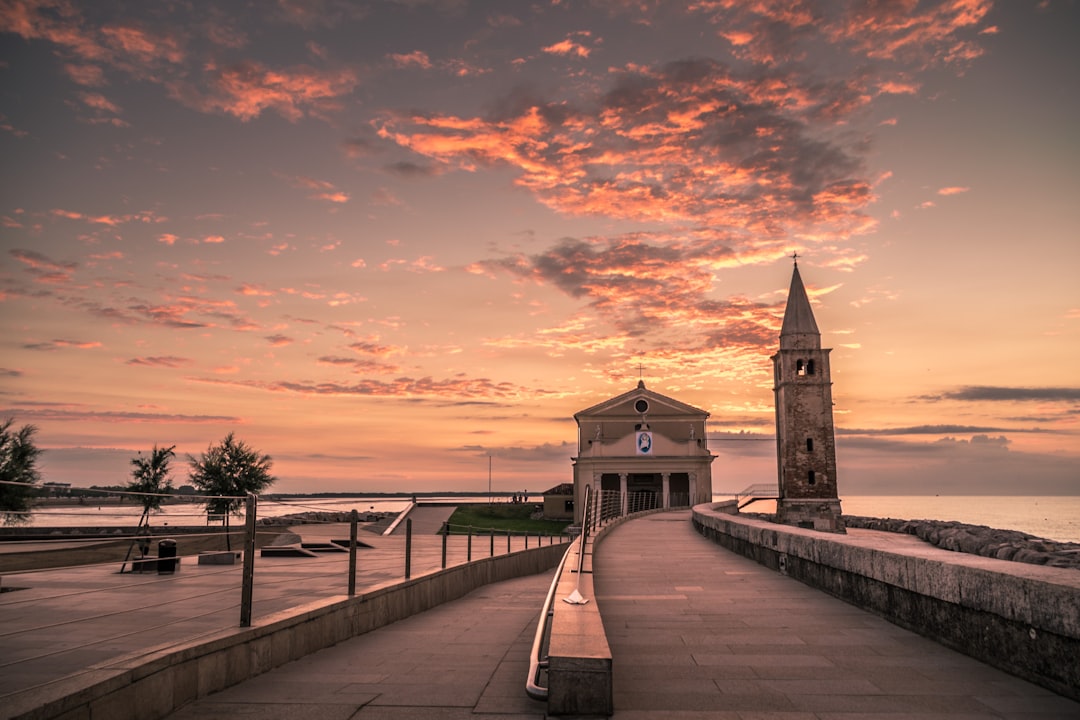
(695,631)
(63,628)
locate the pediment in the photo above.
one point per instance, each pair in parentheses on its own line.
(626,407)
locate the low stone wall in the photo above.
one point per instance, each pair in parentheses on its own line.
(152,685)
(1023,619)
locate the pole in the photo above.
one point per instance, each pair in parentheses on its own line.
(408,548)
(353,516)
(445,534)
(246,591)
(490,498)
(468,554)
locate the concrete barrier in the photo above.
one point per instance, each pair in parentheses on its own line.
(1023,619)
(579,658)
(153,684)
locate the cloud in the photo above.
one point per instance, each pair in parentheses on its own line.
(244,90)
(85,74)
(279,340)
(458,388)
(43,268)
(931,430)
(954,190)
(416,58)
(321,189)
(142,47)
(689,142)
(991,393)
(919,34)
(74,414)
(572,45)
(61,343)
(166,361)
(359,366)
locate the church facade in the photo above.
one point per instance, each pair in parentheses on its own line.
(647,446)
(805,436)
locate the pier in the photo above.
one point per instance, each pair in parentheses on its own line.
(692,628)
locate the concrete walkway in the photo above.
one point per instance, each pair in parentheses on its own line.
(426,519)
(696,633)
(59,625)
(463,659)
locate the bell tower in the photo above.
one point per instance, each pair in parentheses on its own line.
(805,439)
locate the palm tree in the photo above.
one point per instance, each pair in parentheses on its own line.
(18,465)
(227,472)
(151,476)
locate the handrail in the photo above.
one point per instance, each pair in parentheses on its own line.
(536,664)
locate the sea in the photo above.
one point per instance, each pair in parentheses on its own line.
(1050,517)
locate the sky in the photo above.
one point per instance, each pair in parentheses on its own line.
(384,242)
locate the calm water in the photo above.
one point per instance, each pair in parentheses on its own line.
(1055,518)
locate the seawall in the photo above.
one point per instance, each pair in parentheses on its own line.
(150,685)
(1024,619)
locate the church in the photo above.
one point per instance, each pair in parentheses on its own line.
(649,447)
(652,449)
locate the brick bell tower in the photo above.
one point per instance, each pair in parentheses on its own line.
(805,439)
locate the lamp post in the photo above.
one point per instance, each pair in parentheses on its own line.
(490,499)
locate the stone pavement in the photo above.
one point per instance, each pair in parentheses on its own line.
(696,632)
(62,623)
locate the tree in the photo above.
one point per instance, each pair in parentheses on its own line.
(18,464)
(151,476)
(230,470)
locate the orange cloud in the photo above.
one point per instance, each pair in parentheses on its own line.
(247,89)
(58,344)
(570,46)
(954,190)
(44,268)
(324,190)
(166,361)
(141,46)
(417,58)
(88,75)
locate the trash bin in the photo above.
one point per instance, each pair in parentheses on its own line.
(166,553)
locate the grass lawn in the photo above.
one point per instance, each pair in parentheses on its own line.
(502,517)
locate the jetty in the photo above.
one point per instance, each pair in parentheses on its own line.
(689,626)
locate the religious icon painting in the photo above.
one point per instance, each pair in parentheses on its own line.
(644,443)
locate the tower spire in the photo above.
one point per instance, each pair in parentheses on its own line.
(800,330)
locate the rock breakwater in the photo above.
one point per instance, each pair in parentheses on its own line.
(978,540)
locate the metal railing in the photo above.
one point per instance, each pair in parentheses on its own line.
(600,509)
(758,491)
(538,660)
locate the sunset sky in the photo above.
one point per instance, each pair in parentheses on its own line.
(384,241)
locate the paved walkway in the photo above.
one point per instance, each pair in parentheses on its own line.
(426,519)
(696,632)
(62,623)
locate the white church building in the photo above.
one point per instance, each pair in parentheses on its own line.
(649,447)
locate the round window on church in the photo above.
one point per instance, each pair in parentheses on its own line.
(642,406)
